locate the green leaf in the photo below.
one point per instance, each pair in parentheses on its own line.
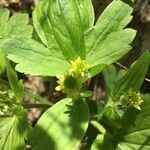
(137,135)
(96,69)
(33,58)
(15,84)
(11,134)
(16,25)
(98,142)
(66,28)
(112,48)
(110,74)
(119,13)
(108,142)
(61,127)
(107,42)
(111,119)
(86,94)
(2,61)
(4,15)
(61,25)
(134,77)
(3,85)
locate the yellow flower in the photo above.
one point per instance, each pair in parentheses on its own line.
(73,79)
(131,98)
(79,66)
(137,101)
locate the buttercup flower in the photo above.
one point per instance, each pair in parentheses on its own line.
(72,80)
(79,66)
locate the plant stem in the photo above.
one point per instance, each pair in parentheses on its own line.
(4,116)
(38,98)
(98,126)
(124,67)
(29,106)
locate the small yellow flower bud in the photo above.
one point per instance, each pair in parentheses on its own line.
(131,98)
(79,66)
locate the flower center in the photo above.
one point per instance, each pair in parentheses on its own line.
(79,67)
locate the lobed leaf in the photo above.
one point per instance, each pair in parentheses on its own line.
(16,25)
(107,41)
(112,48)
(61,25)
(66,28)
(34,58)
